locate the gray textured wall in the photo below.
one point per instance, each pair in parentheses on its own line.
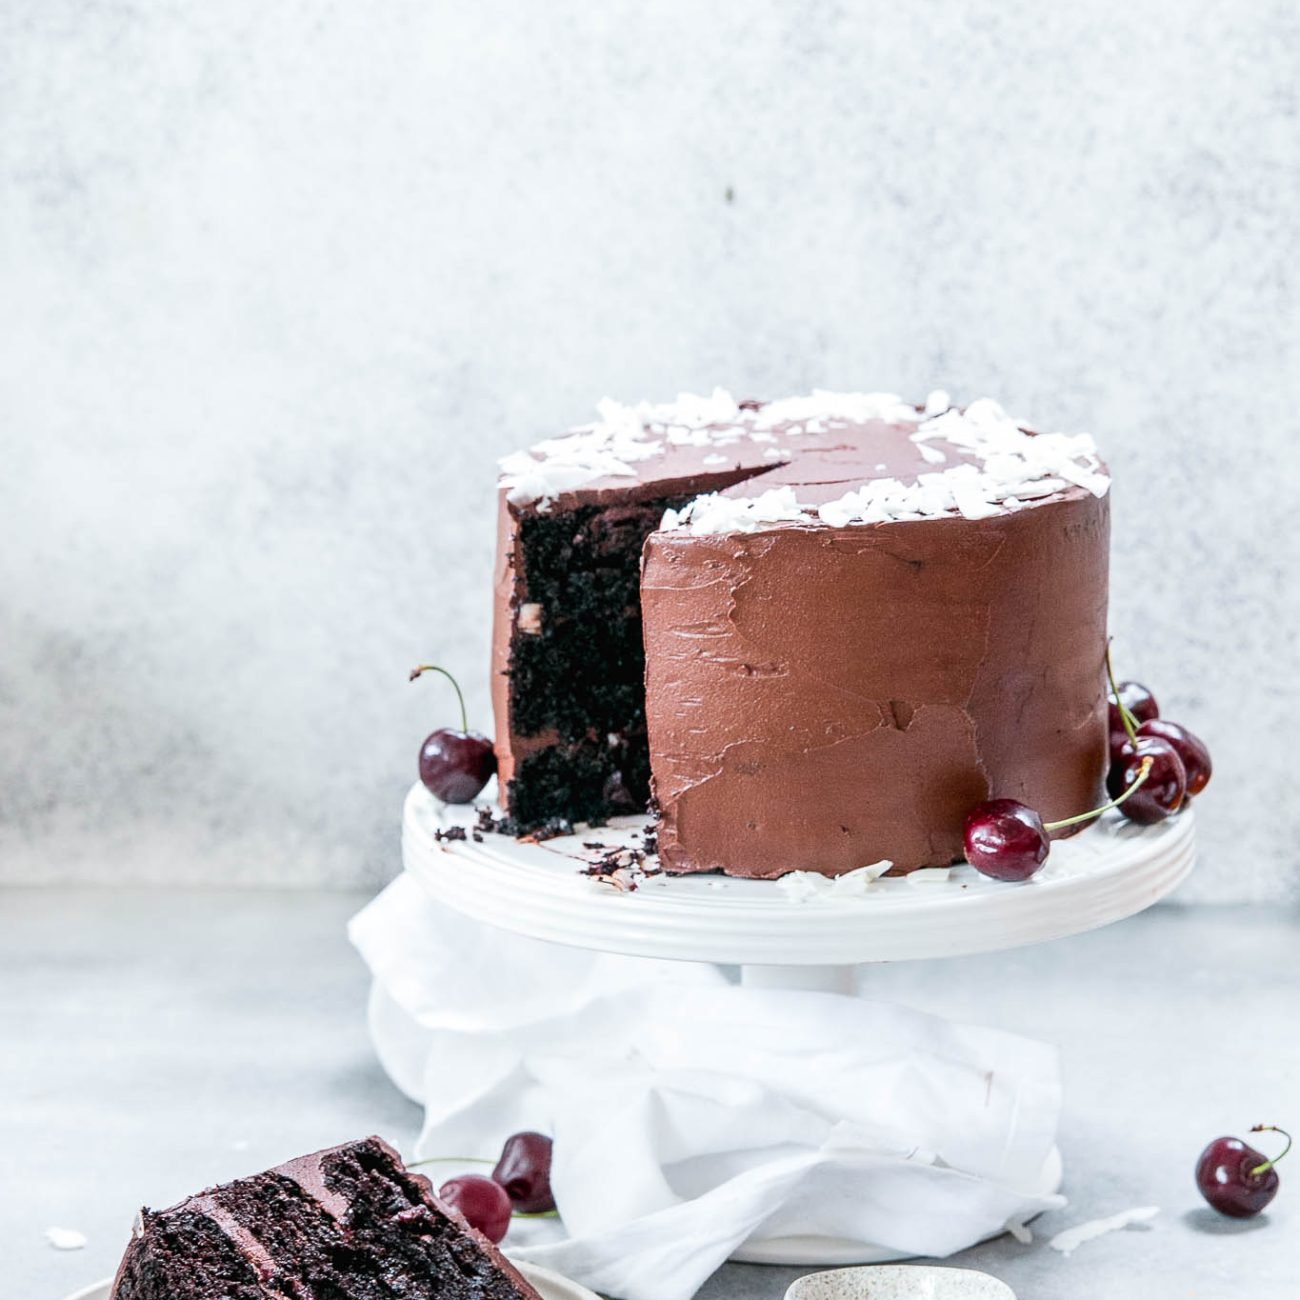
(280,281)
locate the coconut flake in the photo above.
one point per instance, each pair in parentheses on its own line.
(1072,1238)
(621,437)
(826,408)
(1007,465)
(801,886)
(1020,1230)
(856,882)
(714,513)
(66,1238)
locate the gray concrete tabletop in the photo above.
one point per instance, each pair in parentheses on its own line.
(154,1042)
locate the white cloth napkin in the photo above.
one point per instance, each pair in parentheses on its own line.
(690,1114)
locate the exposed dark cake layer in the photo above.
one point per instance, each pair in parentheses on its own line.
(576,687)
(577,682)
(350,1223)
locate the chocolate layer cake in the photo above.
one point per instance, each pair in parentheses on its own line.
(818,630)
(350,1223)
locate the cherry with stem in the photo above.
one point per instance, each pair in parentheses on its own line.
(1007,840)
(1236,1179)
(1144,771)
(454,765)
(1268,1164)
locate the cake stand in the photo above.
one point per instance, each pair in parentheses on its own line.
(796,933)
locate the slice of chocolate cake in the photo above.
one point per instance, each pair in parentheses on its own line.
(350,1223)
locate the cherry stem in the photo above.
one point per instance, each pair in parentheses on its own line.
(455,686)
(1143,772)
(1268,1164)
(1125,716)
(540,1214)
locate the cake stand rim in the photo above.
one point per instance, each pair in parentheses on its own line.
(504,885)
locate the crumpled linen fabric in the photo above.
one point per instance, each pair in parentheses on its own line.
(692,1114)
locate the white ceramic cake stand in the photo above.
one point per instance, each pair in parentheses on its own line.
(1112,870)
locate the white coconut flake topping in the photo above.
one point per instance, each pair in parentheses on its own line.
(1000,466)
(719,514)
(1008,465)
(1072,1238)
(625,435)
(607,449)
(802,886)
(821,409)
(66,1238)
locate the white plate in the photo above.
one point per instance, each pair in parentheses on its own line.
(550,1286)
(1109,871)
(900,1282)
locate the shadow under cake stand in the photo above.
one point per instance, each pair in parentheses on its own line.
(1111,870)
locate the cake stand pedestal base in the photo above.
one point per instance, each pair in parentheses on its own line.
(783,938)
(805,979)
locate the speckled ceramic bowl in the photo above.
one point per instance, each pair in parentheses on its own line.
(900,1282)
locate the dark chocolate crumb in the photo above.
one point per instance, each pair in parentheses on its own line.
(552,828)
(492,822)
(621,867)
(451,833)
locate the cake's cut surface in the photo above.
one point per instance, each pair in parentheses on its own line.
(858,619)
(349,1223)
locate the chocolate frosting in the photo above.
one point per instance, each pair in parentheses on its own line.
(819,699)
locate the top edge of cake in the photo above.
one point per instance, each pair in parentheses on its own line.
(826,458)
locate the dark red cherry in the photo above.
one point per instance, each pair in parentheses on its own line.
(484,1203)
(524,1170)
(1005,839)
(1120,745)
(1121,750)
(1162,793)
(1236,1179)
(456,765)
(1138,701)
(1191,749)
